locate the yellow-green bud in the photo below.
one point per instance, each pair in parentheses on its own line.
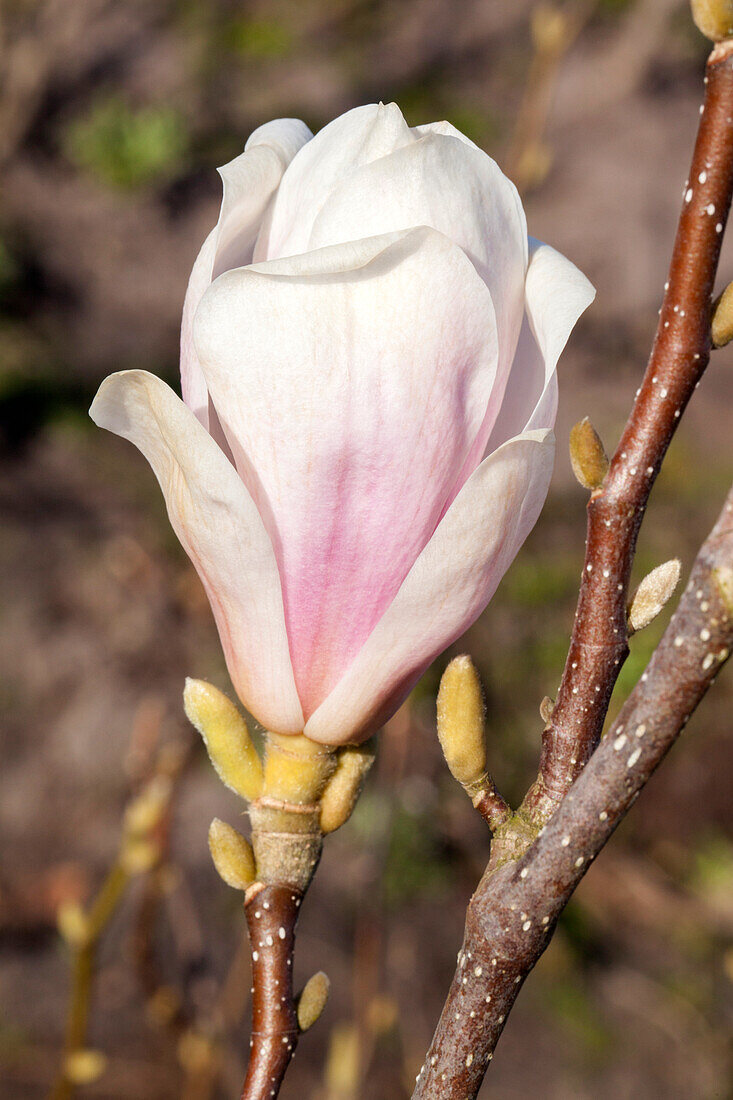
(139,855)
(653,593)
(146,810)
(714,18)
(73,924)
(196,1051)
(344,787)
(312,1000)
(226,737)
(546,708)
(461,715)
(296,768)
(549,28)
(232,855)
(722,323)
(587,456)
(82,1067)
(343,1064)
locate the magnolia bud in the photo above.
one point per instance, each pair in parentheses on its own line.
(226,737)
(146,810)
(344,787)
(312,1000)
(73,924)
(546,708)
(296,768)
(722,323)
(653,593)
(587,456)
(714,18)
(232,855)
(139,855)
(550,29)
(461,714)
(82,1067)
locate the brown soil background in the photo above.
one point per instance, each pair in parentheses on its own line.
(112,118)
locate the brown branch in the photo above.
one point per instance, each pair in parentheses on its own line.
(512,915)
(494,809)
(679,356)
(272,913)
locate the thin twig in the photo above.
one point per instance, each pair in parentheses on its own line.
(679,356)
(512,915)
(542,853)
(272,913)
(83,969)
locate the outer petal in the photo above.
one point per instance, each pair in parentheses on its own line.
(445,128)
(444,182)
(556,293)
(446,589)
(221,530)
(350,399)
(250,181)
(350,141)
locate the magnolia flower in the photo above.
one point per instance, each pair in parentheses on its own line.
(368,359)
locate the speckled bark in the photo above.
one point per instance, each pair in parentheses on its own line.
(272,913)
(513,912)
(583,789)
(678,358)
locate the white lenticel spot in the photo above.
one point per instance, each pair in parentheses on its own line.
(633,758)
(619,742)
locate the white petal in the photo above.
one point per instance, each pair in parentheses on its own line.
(350,141)
(249,182)
(447,129)
(446,589)
(221,530)
(350,397)
(446,183)
(556,294)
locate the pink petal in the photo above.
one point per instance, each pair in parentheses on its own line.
(249,181)
(350,421)
(220,529)
(556,294)
(447,588)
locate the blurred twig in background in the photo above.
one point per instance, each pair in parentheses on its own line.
(143,846)
(554,30)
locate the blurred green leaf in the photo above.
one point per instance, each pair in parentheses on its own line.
(260,39)
(126,147)
(536,581)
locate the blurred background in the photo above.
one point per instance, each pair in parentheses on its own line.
(113,116)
